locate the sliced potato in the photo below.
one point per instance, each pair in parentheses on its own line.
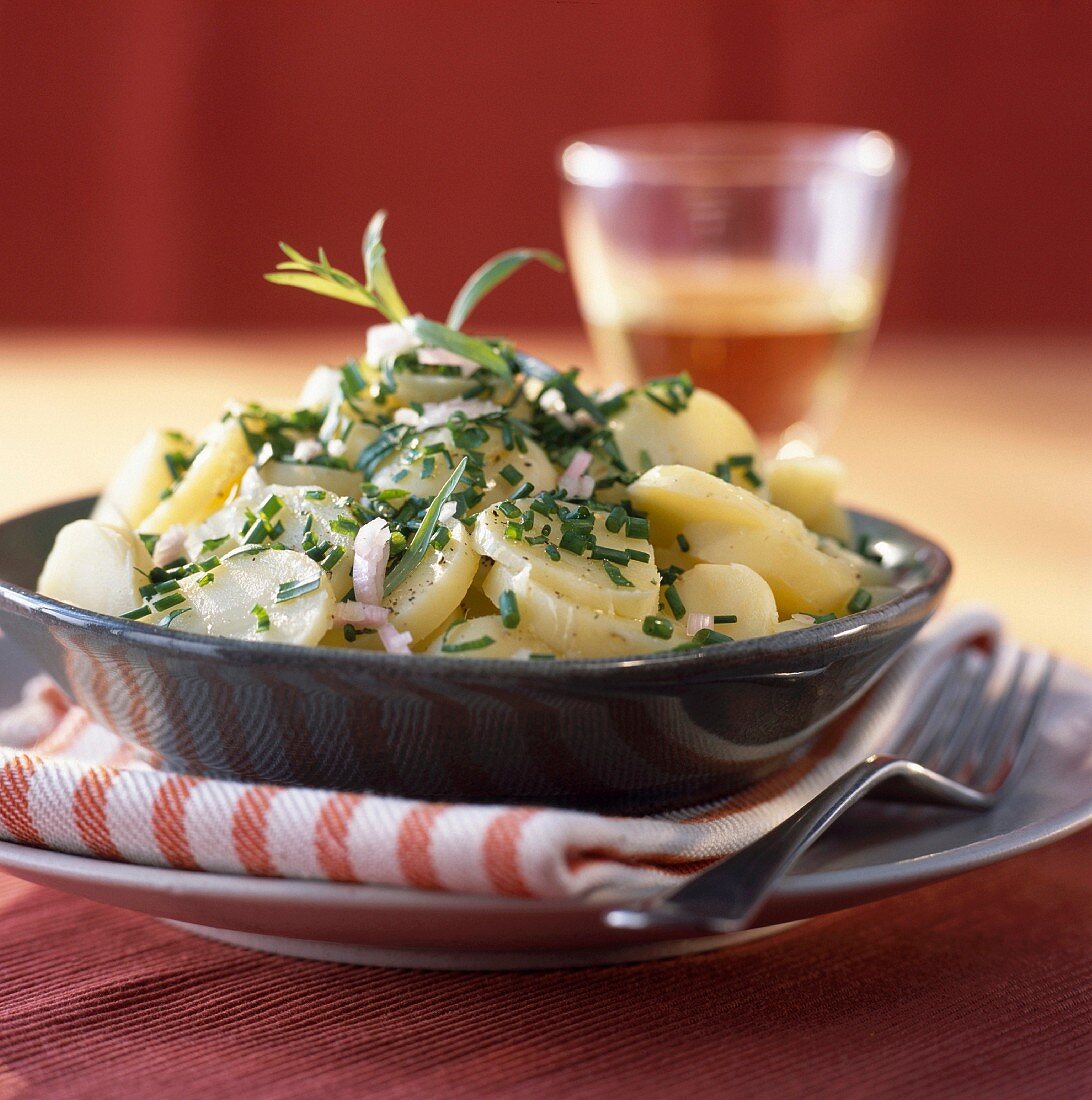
(322,516)
(207,484)
(436,587)
(135,490)
(424,475)
(703,434)
(730,590)
(225,607)
(808,487)
(344,483)
(94,566)
(569,628)
(802,577)
(518,643)
(573,577)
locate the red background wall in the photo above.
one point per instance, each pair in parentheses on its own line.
(154,151)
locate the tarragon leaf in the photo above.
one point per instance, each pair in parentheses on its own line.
(434,335)
(317,284)
(573,396)
(380,282)
(419,544)
(491,274)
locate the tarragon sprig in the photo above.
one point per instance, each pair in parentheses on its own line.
(378,292)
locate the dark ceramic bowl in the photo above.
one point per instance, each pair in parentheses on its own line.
(619,735)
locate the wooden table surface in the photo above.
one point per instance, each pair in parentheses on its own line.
(985,444)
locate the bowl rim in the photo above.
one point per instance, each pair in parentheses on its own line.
(757,651)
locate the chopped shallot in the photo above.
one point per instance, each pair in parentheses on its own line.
(698,620)
(351,613)
(447,513)
(371,550)
(335,448)
(441,357)
(433,414)
(388,342)
(575,480)
(306,450)
(170,545)
(395,641)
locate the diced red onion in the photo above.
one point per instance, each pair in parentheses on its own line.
(388,342)
(698,620)
(371,551)
(393,640)
(574,480)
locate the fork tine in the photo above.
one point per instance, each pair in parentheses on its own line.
(1004,755)
(948,755)
(931,716)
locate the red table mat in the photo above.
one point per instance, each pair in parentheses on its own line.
(976,987)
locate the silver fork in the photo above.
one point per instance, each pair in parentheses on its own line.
(961,749)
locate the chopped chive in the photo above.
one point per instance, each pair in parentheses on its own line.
(860,599)
(465,647)
(262,616)
(137,613)
(174,615)
(674,601)
(509,609)
(349,632)
(711,637)
(208,578)
(615,518)
(542,656)
(213,544)
(655,627)
(525,490)
(552,553)
(291,590)
(172,599)
(208,564)
(511,474)
(513,532)
(638,555)
(637,528)
(275,531)
(752,478)
(684,543)
(149,542)
(574,542)
(332,558)
(441,538)
(646,461)
(270,506)
(825,618)
(607,553)
(392,494)
(401,475)
(616,575)
(343,525)
(315,494)
(741,460)
(428,466)
(725,619)
(509,510)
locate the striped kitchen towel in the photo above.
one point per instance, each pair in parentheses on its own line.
(67,783)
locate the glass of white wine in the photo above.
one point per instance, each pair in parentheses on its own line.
(753,256)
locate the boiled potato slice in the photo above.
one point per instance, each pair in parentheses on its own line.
(802,577)
(808,487)
(345,483)
(299,513)
(135,490)
(706,432)
(225,607)
(94,566)
(518,643)
(575,578)
(569,628)
(436,587)
(730,590)
(414,475)
(204,487)
(674,496)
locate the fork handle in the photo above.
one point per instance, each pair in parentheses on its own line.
(726,896)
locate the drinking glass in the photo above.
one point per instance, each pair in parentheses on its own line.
(753,256)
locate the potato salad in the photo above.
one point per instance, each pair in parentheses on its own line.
(449,494)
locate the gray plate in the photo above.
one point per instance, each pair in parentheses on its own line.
(878,850)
